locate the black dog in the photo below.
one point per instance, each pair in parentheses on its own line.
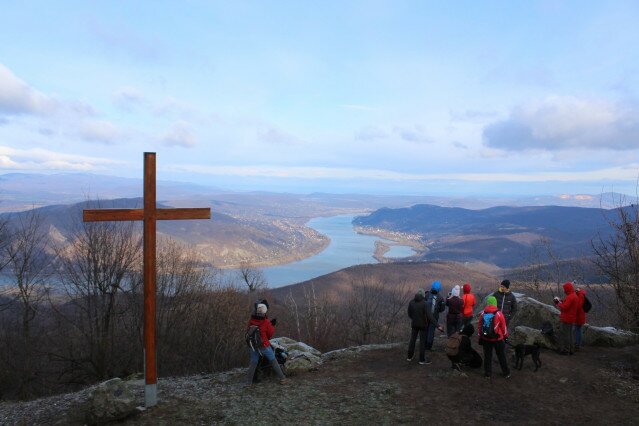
(522,350)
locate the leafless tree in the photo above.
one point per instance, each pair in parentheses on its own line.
(617,257)
(101,261)
(27,269)
(252,277)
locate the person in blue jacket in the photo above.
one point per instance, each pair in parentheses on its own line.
(435,304)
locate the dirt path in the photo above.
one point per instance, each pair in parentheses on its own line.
(596,386)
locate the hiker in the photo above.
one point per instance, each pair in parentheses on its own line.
(469,304)
(506,301)
(266,331)
(434,305)
(492,332)
(580,318)
(419,322)
(454,315)
(567,317)
(460,350)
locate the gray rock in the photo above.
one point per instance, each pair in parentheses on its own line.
(301,357)
(531,314)
(110,401)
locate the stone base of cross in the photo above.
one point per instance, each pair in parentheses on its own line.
(149,215)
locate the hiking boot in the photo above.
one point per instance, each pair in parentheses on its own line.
(507,376)
(409,359)
(283,381)
(425,362)
(486,376)
(457,367)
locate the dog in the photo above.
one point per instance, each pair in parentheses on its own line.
(522,350)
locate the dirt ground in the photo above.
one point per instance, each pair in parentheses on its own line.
(595,386)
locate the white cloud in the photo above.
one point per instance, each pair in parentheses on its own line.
(102,131)
(41,159)
(128,98)
(627,173)
(558,123)
(275,136)
(180,134)
(16,97)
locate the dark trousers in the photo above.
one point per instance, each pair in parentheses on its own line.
(466,321)
(430,335)
(453,324)
(500,349)
(422,343)
(566,338)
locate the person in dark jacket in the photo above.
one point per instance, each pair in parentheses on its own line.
(419,322)
(267,330)
(568,316)
(434,305)
(506,301)
(467,356)
(454,315)
(493,336)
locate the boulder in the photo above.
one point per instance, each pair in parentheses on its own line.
(531,314)
(301,357)
(111,401)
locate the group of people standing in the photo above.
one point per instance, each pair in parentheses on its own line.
(492,327)
(573,309)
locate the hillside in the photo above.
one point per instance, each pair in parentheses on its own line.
(378,386)
(503,236)
(224,240)
(414,275)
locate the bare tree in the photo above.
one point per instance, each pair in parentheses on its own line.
(101,262)
(252,277)
(27,269)
(617,257)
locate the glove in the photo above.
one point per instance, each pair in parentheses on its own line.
(274,321)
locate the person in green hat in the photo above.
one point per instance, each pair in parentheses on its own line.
(492,333)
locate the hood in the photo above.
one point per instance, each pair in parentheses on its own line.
(490,309)
(435,287)
(466,288)
(568,288)
(455,291)
(419,297)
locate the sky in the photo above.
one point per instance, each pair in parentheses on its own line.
(402,97)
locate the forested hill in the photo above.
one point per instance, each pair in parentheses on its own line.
(499,235)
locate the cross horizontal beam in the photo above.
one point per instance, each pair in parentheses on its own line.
(104,215)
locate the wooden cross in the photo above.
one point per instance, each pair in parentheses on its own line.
(149,214)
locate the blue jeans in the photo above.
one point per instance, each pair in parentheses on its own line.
(577,335)
(266,352)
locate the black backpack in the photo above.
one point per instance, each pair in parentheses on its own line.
(488,326)
(587,306)
(253,337)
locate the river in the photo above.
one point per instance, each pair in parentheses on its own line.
(347,248)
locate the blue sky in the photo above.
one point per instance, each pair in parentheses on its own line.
(391,97)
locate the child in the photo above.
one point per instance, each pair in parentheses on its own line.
(267,330)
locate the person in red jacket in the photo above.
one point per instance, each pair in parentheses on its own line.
(580,319)
(267,330)
(568,317)
(492,333)
(469,303)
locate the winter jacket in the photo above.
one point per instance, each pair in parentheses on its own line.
(417,312)
(455,308)
(581,315)
(434,305)
(568,306)
(266,328)
(469,301)
(506,303)
(499,323)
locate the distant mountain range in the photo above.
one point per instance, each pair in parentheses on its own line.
(503,236)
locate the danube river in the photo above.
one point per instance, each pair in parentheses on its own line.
(347,248)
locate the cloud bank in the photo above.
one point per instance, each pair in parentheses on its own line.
(561,123)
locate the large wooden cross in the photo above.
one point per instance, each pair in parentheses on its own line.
(149,214)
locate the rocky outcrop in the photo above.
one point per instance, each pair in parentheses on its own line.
(301,357)
(531,314)
(111,401)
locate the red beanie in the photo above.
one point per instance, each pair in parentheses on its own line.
(466,288)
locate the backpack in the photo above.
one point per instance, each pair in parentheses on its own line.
(488,326)
(253,337)
(587,306)
(452,345)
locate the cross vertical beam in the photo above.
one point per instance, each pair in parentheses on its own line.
(150,215)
